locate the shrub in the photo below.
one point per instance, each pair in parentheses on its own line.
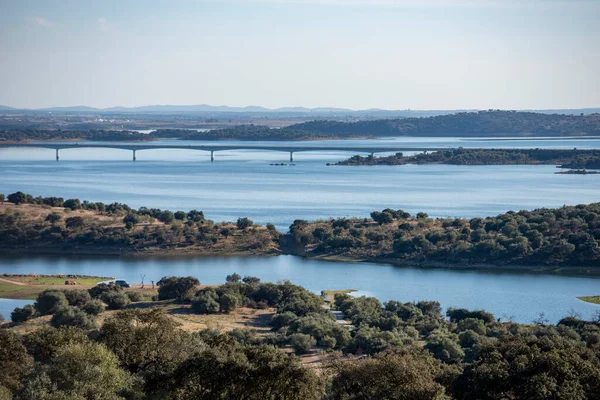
(71,316)
(243,223)
(93,307)
(229,302)
(50,301)
(77,298)
(233,278)
(205,304)
(75,222)
(53,218)
(176,288)
(116,301)
(102,289)
(134,296)
(22,314)
(283,319)
(302,343)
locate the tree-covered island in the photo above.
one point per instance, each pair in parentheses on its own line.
(574,158)
(563,237)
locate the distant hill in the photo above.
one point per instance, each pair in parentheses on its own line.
(373,113)
(464,124)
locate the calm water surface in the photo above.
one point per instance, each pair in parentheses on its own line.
(520,296)
(242,183)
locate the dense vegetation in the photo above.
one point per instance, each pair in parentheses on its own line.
(15,135)
(89,227)
(465,124)
(392,350)
(567,236)
(568,158)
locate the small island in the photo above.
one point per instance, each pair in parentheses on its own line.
(580,159)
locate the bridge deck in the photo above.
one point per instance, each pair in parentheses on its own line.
(213,148)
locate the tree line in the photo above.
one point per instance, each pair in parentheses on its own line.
(393,350)
(463,124)
(568,236)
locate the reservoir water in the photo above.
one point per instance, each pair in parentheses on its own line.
(509,295)
(243,183)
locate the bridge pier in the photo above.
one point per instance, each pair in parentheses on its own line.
(57,155)
(212,156)
(291,156)
(134,158)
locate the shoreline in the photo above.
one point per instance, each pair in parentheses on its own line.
(155,254)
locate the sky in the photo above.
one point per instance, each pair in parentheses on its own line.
(358,54)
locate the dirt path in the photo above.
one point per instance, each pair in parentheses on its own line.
(14,282)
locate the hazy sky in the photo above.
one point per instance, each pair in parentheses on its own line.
(394,54)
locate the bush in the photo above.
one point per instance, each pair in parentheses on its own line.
(75,222)
(77,298)
(205,304)
(243,223)
(302,343)
(233,278)
(134,296)
(71,316)
(229,302)
(53,218)
(73,204)
(93,307)
(173,288)
(50,301)
(101,290)
(116,301)
(22,314)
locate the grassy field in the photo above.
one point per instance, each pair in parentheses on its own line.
(27,287)
(590,299)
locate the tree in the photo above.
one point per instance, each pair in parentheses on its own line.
(195,216)
(166,217)
(227,370)
(2,198)
(229,302)
(77,298)
(50,301)
(93,307)
(78,371)
(530,367)
(244,223)
(53,218)
(205,304)
(70,316)
(407,375)
(235,277)
(17,198)
(177,288)
(251,280)
(14,359)
(116,301)
(302,343)
(131,220)
(22,314)
(149,344)
(73,204)
(180,215)
(75,222)
(102,289)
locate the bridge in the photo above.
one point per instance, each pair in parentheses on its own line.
(135,147)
